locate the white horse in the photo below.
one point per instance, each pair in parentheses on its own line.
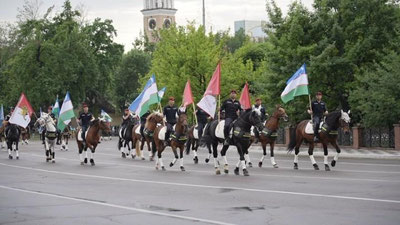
(50,135)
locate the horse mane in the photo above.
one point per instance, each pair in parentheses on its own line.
(332,118)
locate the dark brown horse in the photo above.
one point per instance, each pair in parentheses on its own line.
(25,134)
(151,124)
(328,135)
(178,140)
(268,134)
(92,139)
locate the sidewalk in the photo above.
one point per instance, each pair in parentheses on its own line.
(345,152)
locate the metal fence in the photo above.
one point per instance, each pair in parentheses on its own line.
(281,139)
(378,137)
(345,139)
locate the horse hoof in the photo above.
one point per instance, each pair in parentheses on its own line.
(196,160)
(10,157)
(171,165)
(275,166)
(133,156)
(183,168)
(296,167)
(250,164)
(236,171)
(92,162)
(85,161)
(17,157)
(226,170)
(245,172)
(53,161)
(151,159)
(123,155)
(315,167)
(260,164)
(82,163)
(163,168)
(327,167)
(217,171)
(207,160)
(333,163)
(47,160)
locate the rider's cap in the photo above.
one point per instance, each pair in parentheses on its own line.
(171,98)
(50,107)
(233,91)
(84,105)
(319,92)
(126,109)
(258,99)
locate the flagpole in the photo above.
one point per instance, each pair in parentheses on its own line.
(309,100)
(219,107)
(194,113)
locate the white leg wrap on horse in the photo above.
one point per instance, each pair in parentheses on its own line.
(262,158)
(194,153)
(81,157)
(312,159)
(208,156)
(336,157)
(86,153)
(174,161)
(225,160)
(181,161)
(216,163)
(243,164)
(273,161)
(16,153)
(161,162)
(9,151)
(91,155)
(296,158)
(325,159)
(247,158)
(238,163)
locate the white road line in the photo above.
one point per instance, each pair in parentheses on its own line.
(208,186)
(256,174)
(94,202)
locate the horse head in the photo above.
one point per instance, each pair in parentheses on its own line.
(281,113)
(103,124)
(182,119)
(345,121)
(255,118)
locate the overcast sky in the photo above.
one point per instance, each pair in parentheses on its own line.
(128,20)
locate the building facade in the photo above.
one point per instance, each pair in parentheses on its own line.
(252,28)
(157,14)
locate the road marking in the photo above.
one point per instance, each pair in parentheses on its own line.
(257,174)
(94,202)
(207,186)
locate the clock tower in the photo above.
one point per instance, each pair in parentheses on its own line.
(157,14)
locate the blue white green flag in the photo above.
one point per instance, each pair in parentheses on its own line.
(66,113)
(148,97)
(297,85)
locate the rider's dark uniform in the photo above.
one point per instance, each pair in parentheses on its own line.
(170,113)
(231,108)
(201,120)
(143,122)
(318,109)
(85,119)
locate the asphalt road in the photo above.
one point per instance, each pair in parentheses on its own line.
(131,191)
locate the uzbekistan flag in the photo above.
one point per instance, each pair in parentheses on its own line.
(297,85)
(66,113)
(148,97)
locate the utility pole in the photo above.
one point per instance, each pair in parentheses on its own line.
(204,16)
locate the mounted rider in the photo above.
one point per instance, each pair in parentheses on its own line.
(126,118)
(232,110)
(202,119)
(318,111)
(143,119)
(170,113)
(51,114)
(258,105)
(5,122)
(84,120)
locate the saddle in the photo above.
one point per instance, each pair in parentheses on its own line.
(219,130)
(323,127)
(137,130)
(163,131)
(80,134)
(196,131)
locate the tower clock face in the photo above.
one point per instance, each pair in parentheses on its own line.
(152,24)
(167,23)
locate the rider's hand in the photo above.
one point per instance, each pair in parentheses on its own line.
(309,111)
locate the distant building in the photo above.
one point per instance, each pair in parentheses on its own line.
(157,14)
(252,28)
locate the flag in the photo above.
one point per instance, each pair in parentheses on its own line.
(56,109)
(148,97)
(187,95)
(1,115)
(161,93)
(22,112)
(245,97)
(66,113)
(106,116)
(209,101)
(297,85)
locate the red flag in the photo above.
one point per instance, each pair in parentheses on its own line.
(22,112)
(214,87)
(245,97)
(187,95)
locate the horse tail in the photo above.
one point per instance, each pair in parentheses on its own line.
(292,142)
(188,145)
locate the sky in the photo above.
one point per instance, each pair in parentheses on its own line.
(128,20)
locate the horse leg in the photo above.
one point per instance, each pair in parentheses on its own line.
(264,148)
(123,144)
(160,150)
(223,154)
(299,140)
(86,155)
(194,149)
(272,145)
(9,147)
(66,143)
(310,153)
(209,152)
(16,150)
(92,149)
(326,157)
(181,156)
(175,154)
(80,149)
(336,157)
(47,148)
(240,149)
(247,156)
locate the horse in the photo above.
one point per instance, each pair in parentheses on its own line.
(13,135)
(193,144)
(151,124)
(65,135)
(328,135)
(92,139)
(25,134)
(138,141)
(50,135)
(2,137)
(125,137)
(106,136)
(268,134)
(178,140)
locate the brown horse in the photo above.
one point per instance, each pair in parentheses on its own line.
(65,135)
(328,135)
(268,134)
(138,142)
(179,138)
(92,139)
(151,124)
(25,134)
